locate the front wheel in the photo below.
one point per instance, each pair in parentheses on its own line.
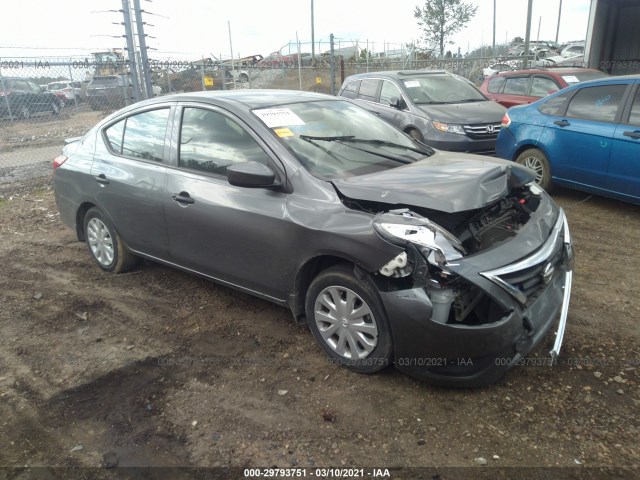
(55,109)
(105,245)
(416,135)
(538,162)
(348,321)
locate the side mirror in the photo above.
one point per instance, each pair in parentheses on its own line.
(251,175)
(396,102)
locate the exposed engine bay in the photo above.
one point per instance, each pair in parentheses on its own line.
(434,239)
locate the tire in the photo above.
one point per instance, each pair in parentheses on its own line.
(105,245)
(538,162)
(55,109)
(25,112)
(360,342)
(244,78)
(62,104)
(415,134)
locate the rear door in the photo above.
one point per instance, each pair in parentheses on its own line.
(579,143)
(129,175)
(624,166)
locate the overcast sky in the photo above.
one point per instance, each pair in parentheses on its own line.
(196,28)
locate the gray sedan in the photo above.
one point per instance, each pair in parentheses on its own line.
(450,266)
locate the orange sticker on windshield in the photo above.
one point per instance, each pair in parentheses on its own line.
(283,132)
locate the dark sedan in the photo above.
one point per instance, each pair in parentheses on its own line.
(450,266)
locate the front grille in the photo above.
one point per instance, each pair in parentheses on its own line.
(527,278)
(531,281)
(482,131)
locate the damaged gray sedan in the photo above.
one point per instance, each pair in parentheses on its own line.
(450,266)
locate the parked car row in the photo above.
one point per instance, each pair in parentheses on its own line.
(22,98)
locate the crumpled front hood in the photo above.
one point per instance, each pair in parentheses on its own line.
(449,182)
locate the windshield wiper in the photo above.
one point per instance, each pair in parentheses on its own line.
(388,144)
(327,139)
(346,139)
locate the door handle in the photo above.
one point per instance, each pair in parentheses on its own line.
(635,134)
(183,198)
(102,179)
(562,123)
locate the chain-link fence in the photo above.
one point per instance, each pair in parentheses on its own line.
(45,100)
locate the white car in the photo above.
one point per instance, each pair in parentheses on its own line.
(71,90)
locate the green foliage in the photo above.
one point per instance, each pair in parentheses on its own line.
(441,19)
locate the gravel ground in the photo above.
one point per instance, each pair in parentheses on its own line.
(159,368)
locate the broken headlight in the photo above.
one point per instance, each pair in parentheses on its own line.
(437,245)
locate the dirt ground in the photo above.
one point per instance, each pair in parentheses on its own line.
(159,368)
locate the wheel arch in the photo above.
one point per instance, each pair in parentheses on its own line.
(305,275)
(80,214)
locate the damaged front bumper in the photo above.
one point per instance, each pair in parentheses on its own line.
(528,296)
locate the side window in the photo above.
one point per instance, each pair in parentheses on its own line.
(516,86)
(351,89)
(368,90)
(388,92)
(634,116)
(495,84)
(144,135)
(596,103)
(541,86)
(210,142)
(114,135)
(33,87)
(556,105)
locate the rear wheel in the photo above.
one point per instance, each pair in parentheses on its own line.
(538,162)
(347,320)
(105,245)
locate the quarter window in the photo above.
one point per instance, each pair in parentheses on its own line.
(210,142)
(596,103)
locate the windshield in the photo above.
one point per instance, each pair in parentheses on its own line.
(104,82)
(441,89)
(337,139)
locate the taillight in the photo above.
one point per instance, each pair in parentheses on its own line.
(59,160)
(506,121)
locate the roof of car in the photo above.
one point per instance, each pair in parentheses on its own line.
(399,73)
(244,99)
(556,70)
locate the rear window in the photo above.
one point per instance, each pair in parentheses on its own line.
(104,82)
(57,86)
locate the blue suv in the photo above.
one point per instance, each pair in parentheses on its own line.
(586,136)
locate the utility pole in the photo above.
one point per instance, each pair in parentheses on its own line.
(130,50)
(146,68)
(527,35)
(559,15)
(493,47)
(313,40)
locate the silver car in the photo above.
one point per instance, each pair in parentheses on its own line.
(450,266)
